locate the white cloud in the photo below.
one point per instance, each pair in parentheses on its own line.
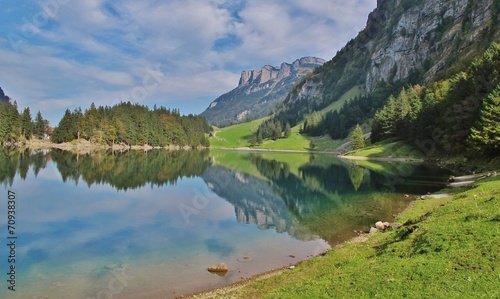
(100,50)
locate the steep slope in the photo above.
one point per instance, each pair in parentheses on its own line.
(258,92)
(404,41)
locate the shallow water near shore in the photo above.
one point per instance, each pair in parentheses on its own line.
(148,224)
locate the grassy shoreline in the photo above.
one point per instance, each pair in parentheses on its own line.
(439,248)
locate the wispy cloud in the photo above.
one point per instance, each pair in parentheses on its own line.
(100,50)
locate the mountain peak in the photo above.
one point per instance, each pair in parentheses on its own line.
(269,72)
(259,91)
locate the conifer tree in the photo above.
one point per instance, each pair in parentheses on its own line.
(40,126)
(357,138)
(485,135)
(288,130)
(26,123)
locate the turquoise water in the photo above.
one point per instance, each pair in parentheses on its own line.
(147,225)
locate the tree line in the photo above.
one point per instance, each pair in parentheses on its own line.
(459,114)
(132,124)
(15,126)
(271,129)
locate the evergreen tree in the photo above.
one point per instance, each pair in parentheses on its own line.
(276,131)
(26,124)
(288,130)
(357,138)
(4,121)
(259,138)
(312,145)
(485,135)
(65,131)
(40,126)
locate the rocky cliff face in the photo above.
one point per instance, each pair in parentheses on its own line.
(432,32)
(3,97)
(259,91)
(268,73)
(405,39)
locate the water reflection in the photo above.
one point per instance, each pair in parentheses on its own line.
(329,198)
(121,170)
(76,227)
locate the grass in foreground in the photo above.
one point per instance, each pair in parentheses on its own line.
(445,248)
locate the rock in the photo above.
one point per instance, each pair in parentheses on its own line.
(407,196)
(291,267)
(222,267)
(373,230)
(382,225)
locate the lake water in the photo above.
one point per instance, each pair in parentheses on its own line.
(148,224)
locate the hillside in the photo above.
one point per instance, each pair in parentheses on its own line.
(404,42)
(258,92)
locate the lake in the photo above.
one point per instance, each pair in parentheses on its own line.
(148,224)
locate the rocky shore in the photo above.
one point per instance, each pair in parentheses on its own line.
(84,146)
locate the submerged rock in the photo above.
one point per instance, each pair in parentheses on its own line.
(220,268)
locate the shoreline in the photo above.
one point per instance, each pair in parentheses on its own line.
(84,146)
(382,159)
(360,238)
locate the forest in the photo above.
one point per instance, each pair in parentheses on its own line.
(15,126)
(460,114)
(132,124)
(124,123)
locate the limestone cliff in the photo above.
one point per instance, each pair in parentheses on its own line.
(258,92)
(404,39)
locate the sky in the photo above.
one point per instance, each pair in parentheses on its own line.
(63,54)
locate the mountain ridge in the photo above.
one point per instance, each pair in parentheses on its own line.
(258,91)
(403,40)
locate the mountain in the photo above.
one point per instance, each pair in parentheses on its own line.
(258,92)
(3,97)
(404,42)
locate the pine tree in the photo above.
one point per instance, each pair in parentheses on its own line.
(485,135)
(276,131)
(26,124)
(65,131)
(259,137)
(288,130)
(312,145)
(357,138)
(40,126)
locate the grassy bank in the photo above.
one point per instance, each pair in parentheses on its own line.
(444,248)
(238,136)
(387,149)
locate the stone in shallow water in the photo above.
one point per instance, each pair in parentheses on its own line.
(220,269)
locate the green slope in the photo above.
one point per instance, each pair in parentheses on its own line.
(238,136)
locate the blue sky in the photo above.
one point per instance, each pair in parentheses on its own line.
(58,54)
